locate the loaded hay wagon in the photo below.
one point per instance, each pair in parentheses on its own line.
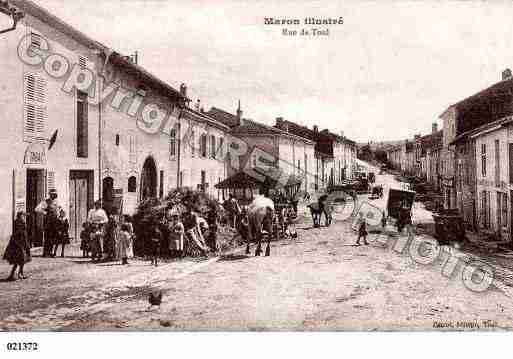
(281,188)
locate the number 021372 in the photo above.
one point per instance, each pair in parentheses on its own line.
(22,346)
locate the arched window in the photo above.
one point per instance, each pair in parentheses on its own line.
(132,184)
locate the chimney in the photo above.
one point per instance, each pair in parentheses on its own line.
(183,90)
(239,112)
(506,74)
(197,105)
(434,127)
(316,129)
(342,134)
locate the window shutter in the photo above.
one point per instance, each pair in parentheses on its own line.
(50,181)
(35,40)
(19,190)
(82,62)
(35,111)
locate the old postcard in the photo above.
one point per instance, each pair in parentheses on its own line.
(255,166)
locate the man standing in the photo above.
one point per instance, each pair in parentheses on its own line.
(97,215)
(235,211)
(50,208)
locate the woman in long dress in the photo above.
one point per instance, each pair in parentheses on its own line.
(17,252)
(124,243)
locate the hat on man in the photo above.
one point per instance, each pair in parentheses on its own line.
(53,191)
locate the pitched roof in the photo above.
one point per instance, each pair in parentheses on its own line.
(224,117)
(250,127)
(500,88)
(191,114)
(45,16)
(296,129)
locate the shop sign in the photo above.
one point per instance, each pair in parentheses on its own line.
(35,154)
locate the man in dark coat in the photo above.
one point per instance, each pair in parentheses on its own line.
(50,208)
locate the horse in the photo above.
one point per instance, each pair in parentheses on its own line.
(260,214)
(318,208)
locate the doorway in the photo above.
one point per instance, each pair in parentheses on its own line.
(35,194)
(81,195)
(149,179)
(108,194)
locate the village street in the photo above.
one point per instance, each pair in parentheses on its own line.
(321,281)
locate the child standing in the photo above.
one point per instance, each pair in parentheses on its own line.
(84,240)
(17,252)
(124,243)
(176,234)
(383,220)
(362,231)
(62,233)
(96,242)
(155,244)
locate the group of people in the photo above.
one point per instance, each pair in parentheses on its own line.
(56,225)
(56,233)
(187,233)
(106,237)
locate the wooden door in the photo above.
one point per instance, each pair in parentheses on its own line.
(80,198)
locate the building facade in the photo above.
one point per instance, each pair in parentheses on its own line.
(49,136)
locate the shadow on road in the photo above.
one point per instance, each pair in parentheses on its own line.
(233,257)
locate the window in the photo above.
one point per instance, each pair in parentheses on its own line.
(35,111)
(161,184)
(132,184)
(510,146)
(220,148)
(497,164)
(172,143)
(483,209)
(212,146)
(132,143)
(117,139)
(504,209)
(483,159)
(82,125)
(203,180)
(192,143)
(203,145)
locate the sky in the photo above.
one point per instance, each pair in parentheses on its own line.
(386,73)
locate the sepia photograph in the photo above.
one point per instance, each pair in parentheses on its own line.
(255,166)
